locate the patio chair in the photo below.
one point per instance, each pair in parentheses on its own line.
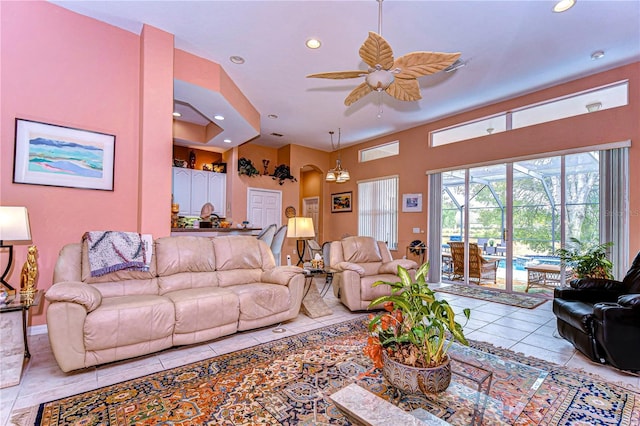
(480,269)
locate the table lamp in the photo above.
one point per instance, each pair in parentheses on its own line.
(14,228)
(300,228)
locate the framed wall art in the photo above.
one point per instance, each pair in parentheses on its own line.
(48,154)
(341,202)
(411,202)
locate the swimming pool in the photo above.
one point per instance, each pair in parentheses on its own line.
(520,262)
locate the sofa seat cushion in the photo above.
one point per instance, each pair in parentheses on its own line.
(259,300)
(575,313)
(203,308)
(128,320)
(369,292)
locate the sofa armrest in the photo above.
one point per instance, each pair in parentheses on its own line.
(590,295)
(281,274)
(392,267)
(348,266)
(75,292)
(630,301)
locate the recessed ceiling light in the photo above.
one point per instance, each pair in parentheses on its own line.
(563,5)
(227,141)
(177,114)
(272,116)
(219,117)
(313,43)
(237,59)
(597,54)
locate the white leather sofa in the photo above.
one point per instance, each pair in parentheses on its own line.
(358,263)
(197,289)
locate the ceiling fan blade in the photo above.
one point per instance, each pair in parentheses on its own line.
(417,64)
(360,91)
(338,74)
(376,51)
(405,89)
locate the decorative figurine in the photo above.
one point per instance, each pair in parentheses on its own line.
(192,160)
(175,209)
(265,163)
(29,272)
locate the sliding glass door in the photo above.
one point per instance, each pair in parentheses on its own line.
(509,220)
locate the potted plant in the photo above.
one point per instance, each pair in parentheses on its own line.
(587,260)
(409,340)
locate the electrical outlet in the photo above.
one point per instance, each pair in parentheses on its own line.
(416,230)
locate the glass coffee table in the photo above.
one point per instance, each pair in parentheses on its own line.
(485,389)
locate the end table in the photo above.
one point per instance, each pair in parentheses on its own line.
(13,334)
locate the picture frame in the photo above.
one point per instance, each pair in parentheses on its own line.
(342,202)
(53,155)
(219,167)
(412,203)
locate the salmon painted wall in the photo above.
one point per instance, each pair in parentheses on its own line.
(416,157)
(63,68)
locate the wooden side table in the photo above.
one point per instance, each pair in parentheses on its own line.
(544,276)
(13,335)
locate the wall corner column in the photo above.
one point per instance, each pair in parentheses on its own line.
(156,131)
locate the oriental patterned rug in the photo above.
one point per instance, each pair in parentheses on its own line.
(513,299)
(288,382)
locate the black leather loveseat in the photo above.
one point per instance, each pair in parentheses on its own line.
(601,318)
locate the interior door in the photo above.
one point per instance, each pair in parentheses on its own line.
(264,207)
(311,208)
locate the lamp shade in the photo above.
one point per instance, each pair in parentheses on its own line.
(300,228)
(14,224)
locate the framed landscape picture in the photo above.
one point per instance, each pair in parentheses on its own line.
(341,202)
(411,202)
(47,154)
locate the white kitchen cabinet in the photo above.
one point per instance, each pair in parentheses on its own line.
(181,189)
(218,192)
(193,188)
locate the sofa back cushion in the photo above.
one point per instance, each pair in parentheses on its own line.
(241,259)
(184,254)
(185,262)
(120,283)
(632,278)
(360,250)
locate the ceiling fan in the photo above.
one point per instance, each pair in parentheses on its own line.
(397,77)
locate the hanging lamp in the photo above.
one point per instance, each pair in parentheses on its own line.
(337,174)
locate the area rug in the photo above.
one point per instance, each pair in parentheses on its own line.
(513,299)
(288,382)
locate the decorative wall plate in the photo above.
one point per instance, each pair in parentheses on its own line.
(290,212)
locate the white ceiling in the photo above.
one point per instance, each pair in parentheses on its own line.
(512,47)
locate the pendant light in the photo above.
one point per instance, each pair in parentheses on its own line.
(338,174)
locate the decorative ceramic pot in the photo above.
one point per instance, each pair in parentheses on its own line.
(415,380)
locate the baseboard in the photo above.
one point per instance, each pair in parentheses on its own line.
(37,329)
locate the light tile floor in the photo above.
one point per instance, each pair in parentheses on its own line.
(529,331)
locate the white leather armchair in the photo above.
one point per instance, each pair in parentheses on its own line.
(359,262)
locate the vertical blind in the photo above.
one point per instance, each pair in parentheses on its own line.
(378,210)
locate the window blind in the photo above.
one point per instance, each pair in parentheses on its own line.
(378,210)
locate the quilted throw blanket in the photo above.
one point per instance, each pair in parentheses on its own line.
(111,251)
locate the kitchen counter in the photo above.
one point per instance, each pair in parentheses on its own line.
(214,232)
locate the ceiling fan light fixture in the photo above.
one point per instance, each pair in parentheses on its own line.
(379,79)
